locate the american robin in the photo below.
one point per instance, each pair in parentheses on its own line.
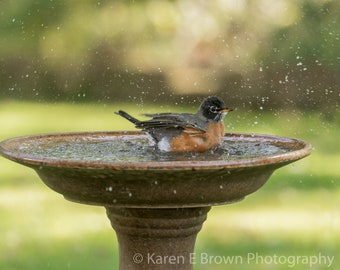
(185,132)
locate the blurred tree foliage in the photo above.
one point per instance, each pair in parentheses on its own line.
(264,53)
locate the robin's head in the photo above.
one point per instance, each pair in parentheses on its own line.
(213,108)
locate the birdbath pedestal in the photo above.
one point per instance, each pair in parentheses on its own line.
(156,202)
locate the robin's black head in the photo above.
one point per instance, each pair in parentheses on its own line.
(213,108)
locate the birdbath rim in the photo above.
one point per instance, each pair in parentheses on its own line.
(298,149)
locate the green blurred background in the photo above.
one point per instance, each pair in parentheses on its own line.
(68,65)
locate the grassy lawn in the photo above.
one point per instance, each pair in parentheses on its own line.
(295,214)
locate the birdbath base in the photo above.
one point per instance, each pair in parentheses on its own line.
(156,238)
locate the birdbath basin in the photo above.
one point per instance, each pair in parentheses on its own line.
(156,202)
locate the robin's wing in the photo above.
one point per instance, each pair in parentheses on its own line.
(171,125)
(173,120)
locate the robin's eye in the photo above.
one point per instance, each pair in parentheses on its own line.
(213,109)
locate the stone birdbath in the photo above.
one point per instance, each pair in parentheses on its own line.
(156,202)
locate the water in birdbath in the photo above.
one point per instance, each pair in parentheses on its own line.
(117,149)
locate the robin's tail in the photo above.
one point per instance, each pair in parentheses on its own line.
(128,116)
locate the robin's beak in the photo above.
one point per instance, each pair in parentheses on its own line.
(225,110)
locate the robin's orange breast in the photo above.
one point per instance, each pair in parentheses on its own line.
(192,140)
